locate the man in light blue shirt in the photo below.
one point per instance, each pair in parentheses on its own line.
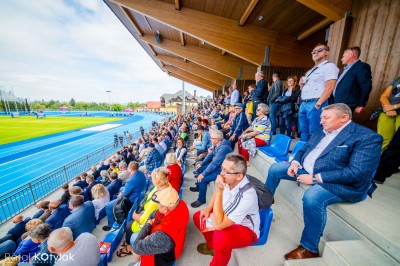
(235,95)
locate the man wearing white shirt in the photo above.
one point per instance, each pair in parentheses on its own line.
(339,162)
(317,87)
(235,220)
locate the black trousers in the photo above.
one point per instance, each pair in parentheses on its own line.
(390,159)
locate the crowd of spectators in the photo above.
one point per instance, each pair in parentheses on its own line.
(338,159)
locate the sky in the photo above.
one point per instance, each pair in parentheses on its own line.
(63,49)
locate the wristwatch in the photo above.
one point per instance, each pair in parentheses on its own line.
(314,179)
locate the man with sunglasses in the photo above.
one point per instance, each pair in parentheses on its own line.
(316,88)
(355,83)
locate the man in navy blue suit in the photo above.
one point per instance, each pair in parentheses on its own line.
(59,212)
(82,217)
(338,162)
(355,83)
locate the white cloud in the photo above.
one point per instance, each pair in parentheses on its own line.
(75,49)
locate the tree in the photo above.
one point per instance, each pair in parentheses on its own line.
(72,102)
(117,107)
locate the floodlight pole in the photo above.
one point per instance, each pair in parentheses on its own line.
(183,102)
(109,100)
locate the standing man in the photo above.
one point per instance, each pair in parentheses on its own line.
(338,162)
(317,87)
(355,83)
(274,93)
(235,96)
(260,92)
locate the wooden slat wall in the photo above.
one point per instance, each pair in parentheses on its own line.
(284,71)
(338,40)
(376,29)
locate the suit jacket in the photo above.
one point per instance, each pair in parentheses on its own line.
(81,220)
(348,163)
(18,229)
(275,92)
(58,216)
(113,187)
(354,87)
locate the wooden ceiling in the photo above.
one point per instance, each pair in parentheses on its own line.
(211,43)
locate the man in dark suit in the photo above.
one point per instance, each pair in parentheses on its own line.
(355,83)
(338,162)
(114,186)
(82,217)
(16,232)
(59,212)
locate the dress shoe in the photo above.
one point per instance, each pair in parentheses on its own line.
(196,204)
(194,189)
(106,228)
(300,253)
(205,249)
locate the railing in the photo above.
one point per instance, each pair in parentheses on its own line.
(24,196)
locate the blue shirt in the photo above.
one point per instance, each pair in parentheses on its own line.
(205,141)
(234,97)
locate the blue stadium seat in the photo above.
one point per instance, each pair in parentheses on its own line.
(296,148)
(134,207)
(114,238)
(265,224)
(279,147)
(103,260)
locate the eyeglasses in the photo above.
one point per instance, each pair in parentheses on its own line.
(224,172)
(317,51)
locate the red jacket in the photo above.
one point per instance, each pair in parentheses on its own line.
(174,225)
(175,176)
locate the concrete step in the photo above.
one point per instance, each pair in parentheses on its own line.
(306,262)
(355,252)
(374,220)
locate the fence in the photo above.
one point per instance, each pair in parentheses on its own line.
(24,196)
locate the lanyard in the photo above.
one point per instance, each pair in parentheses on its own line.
(315,68)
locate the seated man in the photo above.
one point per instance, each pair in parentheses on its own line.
(204,143)
(239,124)
(59,212)
(132,190)
(338,162)
(16,232)
(83,251)
(91,181)
(123,175)
(82,219)
(114,186)
(65,196)
(208,169)
(235,218)
(152,160)
(161,240)
(79,182)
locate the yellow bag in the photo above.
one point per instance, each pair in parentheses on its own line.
(250,107)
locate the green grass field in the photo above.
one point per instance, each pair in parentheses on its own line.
(21,128)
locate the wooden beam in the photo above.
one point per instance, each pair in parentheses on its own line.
(191,81)
(227,65)
(332,9)
(247,43)
(314,28)
(194,69)
(247,12)
(151,49)
(177,5)
(182,38)
(190,76)
(131,19)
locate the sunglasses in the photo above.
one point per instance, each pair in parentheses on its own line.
(317,51)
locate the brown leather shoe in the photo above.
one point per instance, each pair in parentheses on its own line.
(205,249)
(300,253)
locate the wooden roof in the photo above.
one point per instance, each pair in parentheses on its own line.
(212,43)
